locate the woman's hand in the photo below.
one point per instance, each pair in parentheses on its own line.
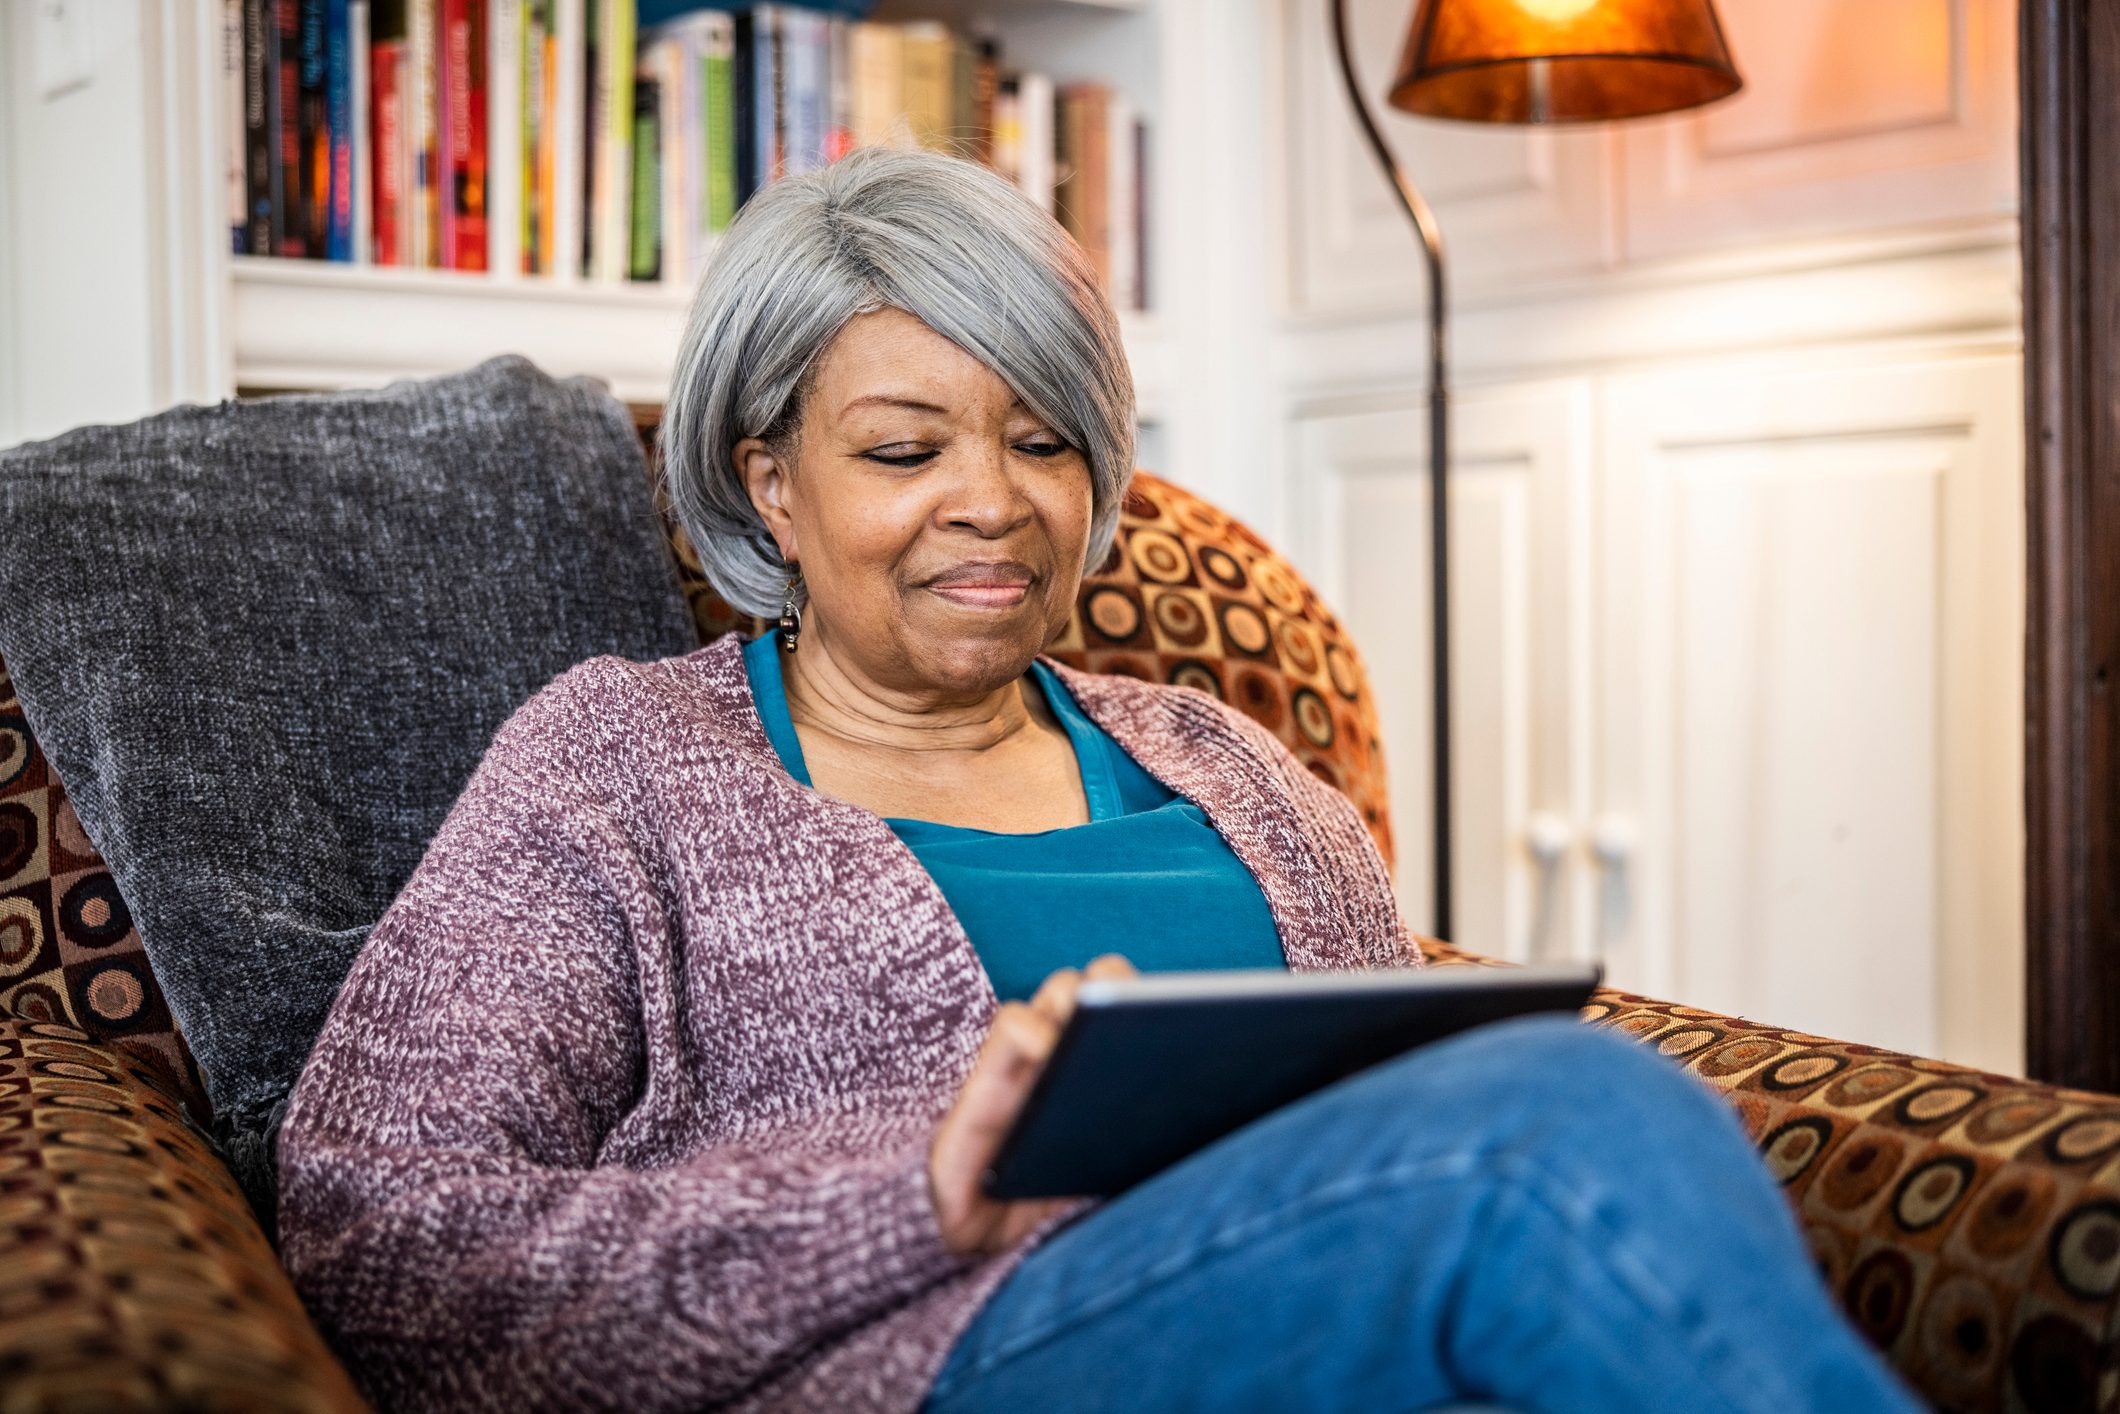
(966,1140)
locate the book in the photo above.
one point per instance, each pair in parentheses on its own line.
(465,85)
(926,96)
(539,47)
(235,182)
(505,169)
(839,105)
(312,199)
(338,130)
(1120,234)
(265,206)
(718,107)
(290,229)
(425,226)
(645,246)
(876,60)
(569,139)
(611,151)
(391,153)
(986,78)
(808,91)
(361,138)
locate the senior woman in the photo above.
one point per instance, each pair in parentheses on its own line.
(665,1081)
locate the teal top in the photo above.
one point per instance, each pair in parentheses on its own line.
(1147,876)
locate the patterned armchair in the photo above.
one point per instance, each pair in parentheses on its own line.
(1970,1222)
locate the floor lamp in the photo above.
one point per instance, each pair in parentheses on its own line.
(1518,61)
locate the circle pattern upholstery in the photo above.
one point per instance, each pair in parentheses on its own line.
(132,1273)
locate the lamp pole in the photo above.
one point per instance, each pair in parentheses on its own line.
(1431,234)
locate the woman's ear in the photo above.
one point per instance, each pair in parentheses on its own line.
(765,481)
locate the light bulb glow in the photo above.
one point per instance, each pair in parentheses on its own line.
(1555,11)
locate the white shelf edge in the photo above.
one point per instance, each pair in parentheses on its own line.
(326,324)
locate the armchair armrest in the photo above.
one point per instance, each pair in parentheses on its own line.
(132,1272)
(1969,1222)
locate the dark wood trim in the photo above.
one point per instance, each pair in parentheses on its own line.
(2069,69)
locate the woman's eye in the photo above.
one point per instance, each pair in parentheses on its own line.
(1043,449)
(905,459)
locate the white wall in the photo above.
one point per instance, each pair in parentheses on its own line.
(105,240)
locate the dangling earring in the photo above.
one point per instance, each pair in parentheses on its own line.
(790,616)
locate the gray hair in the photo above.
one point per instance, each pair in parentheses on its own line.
(946,240)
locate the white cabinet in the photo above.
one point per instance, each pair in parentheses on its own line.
(1857,116)
(1520,586)
(1809,699)
(1734,650)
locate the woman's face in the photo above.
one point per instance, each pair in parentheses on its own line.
(939,524)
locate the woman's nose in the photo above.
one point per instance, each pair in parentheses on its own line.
(985,494)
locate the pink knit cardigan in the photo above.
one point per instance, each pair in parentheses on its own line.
(626,1103)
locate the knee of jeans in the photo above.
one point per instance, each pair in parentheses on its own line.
(1557,1061)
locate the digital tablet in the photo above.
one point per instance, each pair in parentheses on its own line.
(1149,1069)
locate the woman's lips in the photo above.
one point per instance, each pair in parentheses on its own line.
(982,596)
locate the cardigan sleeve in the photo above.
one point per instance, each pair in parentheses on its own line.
(445,1212)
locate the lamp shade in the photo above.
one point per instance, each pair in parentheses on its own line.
(1561,61)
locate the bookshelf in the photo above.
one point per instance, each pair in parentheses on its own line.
(299,324)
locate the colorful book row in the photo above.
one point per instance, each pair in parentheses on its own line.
(554,138)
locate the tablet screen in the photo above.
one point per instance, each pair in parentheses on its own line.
(1150,1069)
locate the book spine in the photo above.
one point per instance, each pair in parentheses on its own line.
(776,120)
(807,95)
(361,129)
(619,61)
(504,136)
(1143,295)
(644,244)
(595,104)
(537,136)
(1036,109)
(839,127)
(817,95)
(960,109)
(1119,204)
(718,98)
(1068,162)
(451,135)
(1096,182)
(569,138)
(745,71)
(260,125)
(926,99)
(338,91)
(1008,131)
(314,112)
(289,229)
(423,195)
(235,181)
(386,62)
(676,152)
(467,134)
(986,79)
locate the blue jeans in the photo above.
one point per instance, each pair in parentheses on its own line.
(1536,1213)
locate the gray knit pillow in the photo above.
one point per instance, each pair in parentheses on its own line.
(264,645)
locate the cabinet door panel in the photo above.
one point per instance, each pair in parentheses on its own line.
(1360,529)
(1854,117)
(1810,668)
